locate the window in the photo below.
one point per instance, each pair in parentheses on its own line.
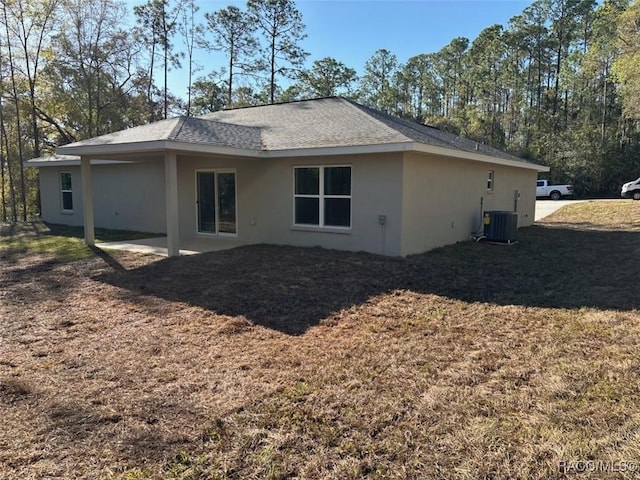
(322,196)
(490,181)
(66,192)
(216,202)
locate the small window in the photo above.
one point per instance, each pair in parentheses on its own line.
(66,192)
(322,196)
(490,178)
(540,183)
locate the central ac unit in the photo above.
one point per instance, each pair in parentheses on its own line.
(501,226)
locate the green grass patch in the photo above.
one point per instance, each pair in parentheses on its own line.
(65,243)
(64,249)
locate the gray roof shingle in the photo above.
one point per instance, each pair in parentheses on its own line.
(151,132)
(307,124)
(320,123)
(200,130)
(338,122)
(182,129)
(434,136)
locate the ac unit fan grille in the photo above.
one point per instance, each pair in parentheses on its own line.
(501,227)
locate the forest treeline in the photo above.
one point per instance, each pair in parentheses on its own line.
(559,84)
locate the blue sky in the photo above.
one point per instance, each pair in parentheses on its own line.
(352,30)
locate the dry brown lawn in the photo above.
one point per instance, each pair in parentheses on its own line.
(471,361)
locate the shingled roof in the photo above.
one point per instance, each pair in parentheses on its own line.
(295,127)
(338,122)
(181,129)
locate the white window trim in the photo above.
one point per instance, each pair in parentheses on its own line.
(491,181)
(215,171)
(321,196)
(63,191)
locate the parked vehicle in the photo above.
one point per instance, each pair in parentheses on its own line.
(631,190)
(555,192)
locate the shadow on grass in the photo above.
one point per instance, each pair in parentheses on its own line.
(107,258)
(101,234)
(64,242)
(45,246)
(33,228)
(291,289)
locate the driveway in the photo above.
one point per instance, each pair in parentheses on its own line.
(547,207)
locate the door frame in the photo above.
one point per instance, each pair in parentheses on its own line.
(215,171)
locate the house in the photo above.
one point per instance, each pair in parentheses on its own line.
(326,172)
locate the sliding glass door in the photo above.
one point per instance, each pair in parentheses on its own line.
(216,202)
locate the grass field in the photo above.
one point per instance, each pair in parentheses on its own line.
(470,361)
(62,242)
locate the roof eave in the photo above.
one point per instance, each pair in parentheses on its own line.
(105,150)
(340,150)
(477,157)
(157,146)
(168,145)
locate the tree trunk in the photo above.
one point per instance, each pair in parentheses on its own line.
(150,83)
(23,193)
(230,86)
(272,79)
(3,180)
(2,192)
(603,124)
(5,140)
(32,74)
(165,32)
(556,96)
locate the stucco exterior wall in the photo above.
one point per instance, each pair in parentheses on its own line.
(442,199)
(51,197)
(127,196)
(265,201)
(246,170)
(427,201)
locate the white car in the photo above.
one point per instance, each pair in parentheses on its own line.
(631,190)
(554,192)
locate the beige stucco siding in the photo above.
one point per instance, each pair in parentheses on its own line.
(427,201)
(247,191)
(125,196)
(265,201)
(376,187)
(51,196)
(442,199)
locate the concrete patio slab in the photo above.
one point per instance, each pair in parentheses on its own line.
(158,245)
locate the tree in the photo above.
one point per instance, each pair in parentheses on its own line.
(422,96)
(91,74)
(18,123)
(208,97)
(191,32)
(627,66)
(31,26)
(6,171)
(449,63)
(485,90)
(376,83)
(233,35)
(157,23)
(244,96)
(326,78)
(280,24)
(565,16)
